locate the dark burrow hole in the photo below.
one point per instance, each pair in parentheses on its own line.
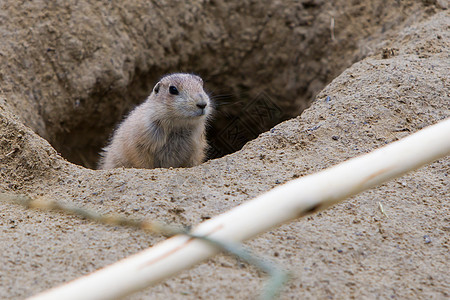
(246,102)
(241,113)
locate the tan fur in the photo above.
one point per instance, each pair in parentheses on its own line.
(165,131)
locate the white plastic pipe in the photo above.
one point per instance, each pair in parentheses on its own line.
(284,203)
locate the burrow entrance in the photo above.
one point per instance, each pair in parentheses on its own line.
(260,67)
(240,115)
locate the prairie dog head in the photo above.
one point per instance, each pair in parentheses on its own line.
(181,96)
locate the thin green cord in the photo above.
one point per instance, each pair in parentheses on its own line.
(277,276)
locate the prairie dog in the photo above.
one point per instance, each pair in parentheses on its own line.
(167,130)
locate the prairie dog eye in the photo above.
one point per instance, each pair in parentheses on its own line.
(173,90)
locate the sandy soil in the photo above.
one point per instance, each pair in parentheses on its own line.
(349,251)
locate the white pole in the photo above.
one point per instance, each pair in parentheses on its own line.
(284,203)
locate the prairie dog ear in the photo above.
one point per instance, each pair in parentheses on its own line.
(156,88)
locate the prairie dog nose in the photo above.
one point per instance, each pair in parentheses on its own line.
(201,104)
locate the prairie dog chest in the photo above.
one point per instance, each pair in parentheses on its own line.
(178,148)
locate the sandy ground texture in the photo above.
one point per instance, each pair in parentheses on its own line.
(350,251)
